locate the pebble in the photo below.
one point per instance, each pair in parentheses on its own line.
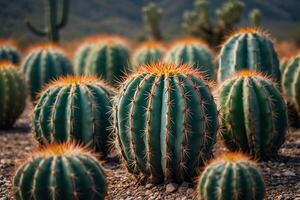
(289,173)
(171,187)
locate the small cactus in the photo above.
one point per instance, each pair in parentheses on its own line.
(231,176)
(251,49)
(166,121)
(9,52)
(254,114)
(152,16)
(43,64)
(192,52)
(13,94)
(60,171)
(148,52)
(255,17)
(74,108)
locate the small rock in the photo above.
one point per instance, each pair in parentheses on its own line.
(289,173)
(189,191)
(148,192)
(149,185)
(171,187)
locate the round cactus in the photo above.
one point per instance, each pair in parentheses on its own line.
(43,64)
(232,176)
(60,171)
(254,114)
(148,52)
(9,52)
(249,49)
(74,108)
(166,122)
(193,52)
(81,56)
(108,59)
(13,94)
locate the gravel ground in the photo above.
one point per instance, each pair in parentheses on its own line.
(282,174)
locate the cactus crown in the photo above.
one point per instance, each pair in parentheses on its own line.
(233,157)
(6,64)
(45,47)
(11,43)
(190,41)
(151,44)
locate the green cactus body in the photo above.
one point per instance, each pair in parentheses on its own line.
(254,114)
(231,177)
(283,63)
(61,172)
(9,53)
(166,122)
(109,60)
(13,94)
(193,53)
(148,52)
(74,108)
(80,59)
(248,49)
(44,64)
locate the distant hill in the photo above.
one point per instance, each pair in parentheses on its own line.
(124,17)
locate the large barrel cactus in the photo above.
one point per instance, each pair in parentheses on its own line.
(74,108)
(166,122)
(9,52)
(13,94)
(109,60)
(249,49)
(254,114)
(193,52)
(231,176)
(43,64)
(61,172)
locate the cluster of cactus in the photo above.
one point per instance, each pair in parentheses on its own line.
(13,93)
(54,24)
(43,64)
(251,49)
(254,114)
(165,119)
(192,52)
(9,52)
(60,171)
(152,16)
(74,108)
(231,176)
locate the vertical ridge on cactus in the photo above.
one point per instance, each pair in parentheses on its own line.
(9,51)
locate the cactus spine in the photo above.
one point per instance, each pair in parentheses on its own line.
(9,52)
(152,16)
(43,64)
(255,17)
(248,49)
(231,176)
(52,20)
(74,108)
(166,122)
(61,171)
(13,94)
(254,115)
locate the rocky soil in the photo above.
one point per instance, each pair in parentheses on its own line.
(281,174)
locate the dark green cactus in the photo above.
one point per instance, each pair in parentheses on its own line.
(80,58)
(54,24)
(109,60)
(61,172)
(231,176)
(251,49)
(255,17)
(152,16)
(8,52)
(43,64)
(192,52)
(74,108)
(254,114)
(165,120)
(13,94)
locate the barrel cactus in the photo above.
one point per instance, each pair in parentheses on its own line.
(60,171)
(13,93)
(80,58)
(231,176)
(193,52)
(43,64)
(254,114)
(166,122)
(108,59)
(9,52)
(249,49)
(147,53)
(74,108)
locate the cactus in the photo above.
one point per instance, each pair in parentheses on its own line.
(255,17)
(248,48)
(254,114)
(231,176)
(81,56)
(52,20)
(282,65)
(193,52)
(43,64)
(9,52)
(60,171)
(152,16)
(13,93)
(74,108)
(147,53)
(108,59)
(165,120)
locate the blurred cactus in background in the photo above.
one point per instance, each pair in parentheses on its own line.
(52,20)
(255,17)
(152,15)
